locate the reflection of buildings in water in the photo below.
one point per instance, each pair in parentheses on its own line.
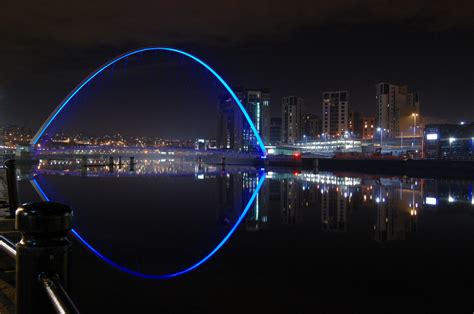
(397,209)
(440,193)
(230,190)
(291,201)
(257,218)
(334,207)
(234,191)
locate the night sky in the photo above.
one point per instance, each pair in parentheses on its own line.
(291,47)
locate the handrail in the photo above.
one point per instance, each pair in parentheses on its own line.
(61,301)
(8,247)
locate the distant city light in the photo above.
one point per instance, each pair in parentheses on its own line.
(451,199)
(462,123)
(451,139)
(432,136)
(431,201)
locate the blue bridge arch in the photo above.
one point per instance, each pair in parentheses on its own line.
(91,76)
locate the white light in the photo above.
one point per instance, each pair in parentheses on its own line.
(377,200)
(431,201)
(200,176)
(462,123)
(450,199)
(432,136)
(451,139)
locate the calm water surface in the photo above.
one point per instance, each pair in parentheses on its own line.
(310,242)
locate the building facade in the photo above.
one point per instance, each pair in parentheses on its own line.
(368,128)
(449,141)
(292,114)
(234,132)
(335,114)
(275,131)
(311,126)
(355,124)
(397,110)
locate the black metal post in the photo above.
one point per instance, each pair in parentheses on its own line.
(12,186)
(43,250)
(132,163)
(111,164)
(200,162)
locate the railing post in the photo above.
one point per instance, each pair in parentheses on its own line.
(43,250)
(12,186)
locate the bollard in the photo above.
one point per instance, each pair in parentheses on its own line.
(44,250)
(111,164)
(132,163)
(12,186)
(84,161)
(200,162)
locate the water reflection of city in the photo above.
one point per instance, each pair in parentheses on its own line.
(394,203)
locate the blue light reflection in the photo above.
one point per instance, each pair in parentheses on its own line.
(261,179)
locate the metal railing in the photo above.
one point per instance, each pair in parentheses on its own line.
(42,257)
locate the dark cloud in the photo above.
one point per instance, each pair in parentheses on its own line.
(111,22)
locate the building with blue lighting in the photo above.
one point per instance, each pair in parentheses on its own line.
(234,132)
(449,141)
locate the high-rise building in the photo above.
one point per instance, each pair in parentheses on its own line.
(234,132)
(230,127)
(335,113)
(368,128)
(275,131)
(397,110)
(311,126)
(355,124)
(291,113)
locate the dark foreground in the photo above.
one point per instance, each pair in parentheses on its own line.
(317,242)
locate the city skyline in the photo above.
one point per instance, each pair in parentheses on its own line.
(305,54)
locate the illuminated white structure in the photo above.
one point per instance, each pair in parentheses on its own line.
(335,115)
(396,108)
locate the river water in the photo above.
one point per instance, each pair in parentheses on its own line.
(172,237)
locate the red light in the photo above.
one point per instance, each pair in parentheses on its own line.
(296,173)
(297,155)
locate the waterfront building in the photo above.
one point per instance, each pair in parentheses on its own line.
(355,124)
(368,128)
(311,127)
(335,114)
(234,132)
(449,141)
(292,114)
(398,110)
(275,131)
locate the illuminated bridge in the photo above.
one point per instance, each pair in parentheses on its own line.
(66,101)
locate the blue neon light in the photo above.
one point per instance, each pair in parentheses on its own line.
(261,179)
(127,54)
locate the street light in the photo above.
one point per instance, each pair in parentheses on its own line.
(380,130)
(414,115)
